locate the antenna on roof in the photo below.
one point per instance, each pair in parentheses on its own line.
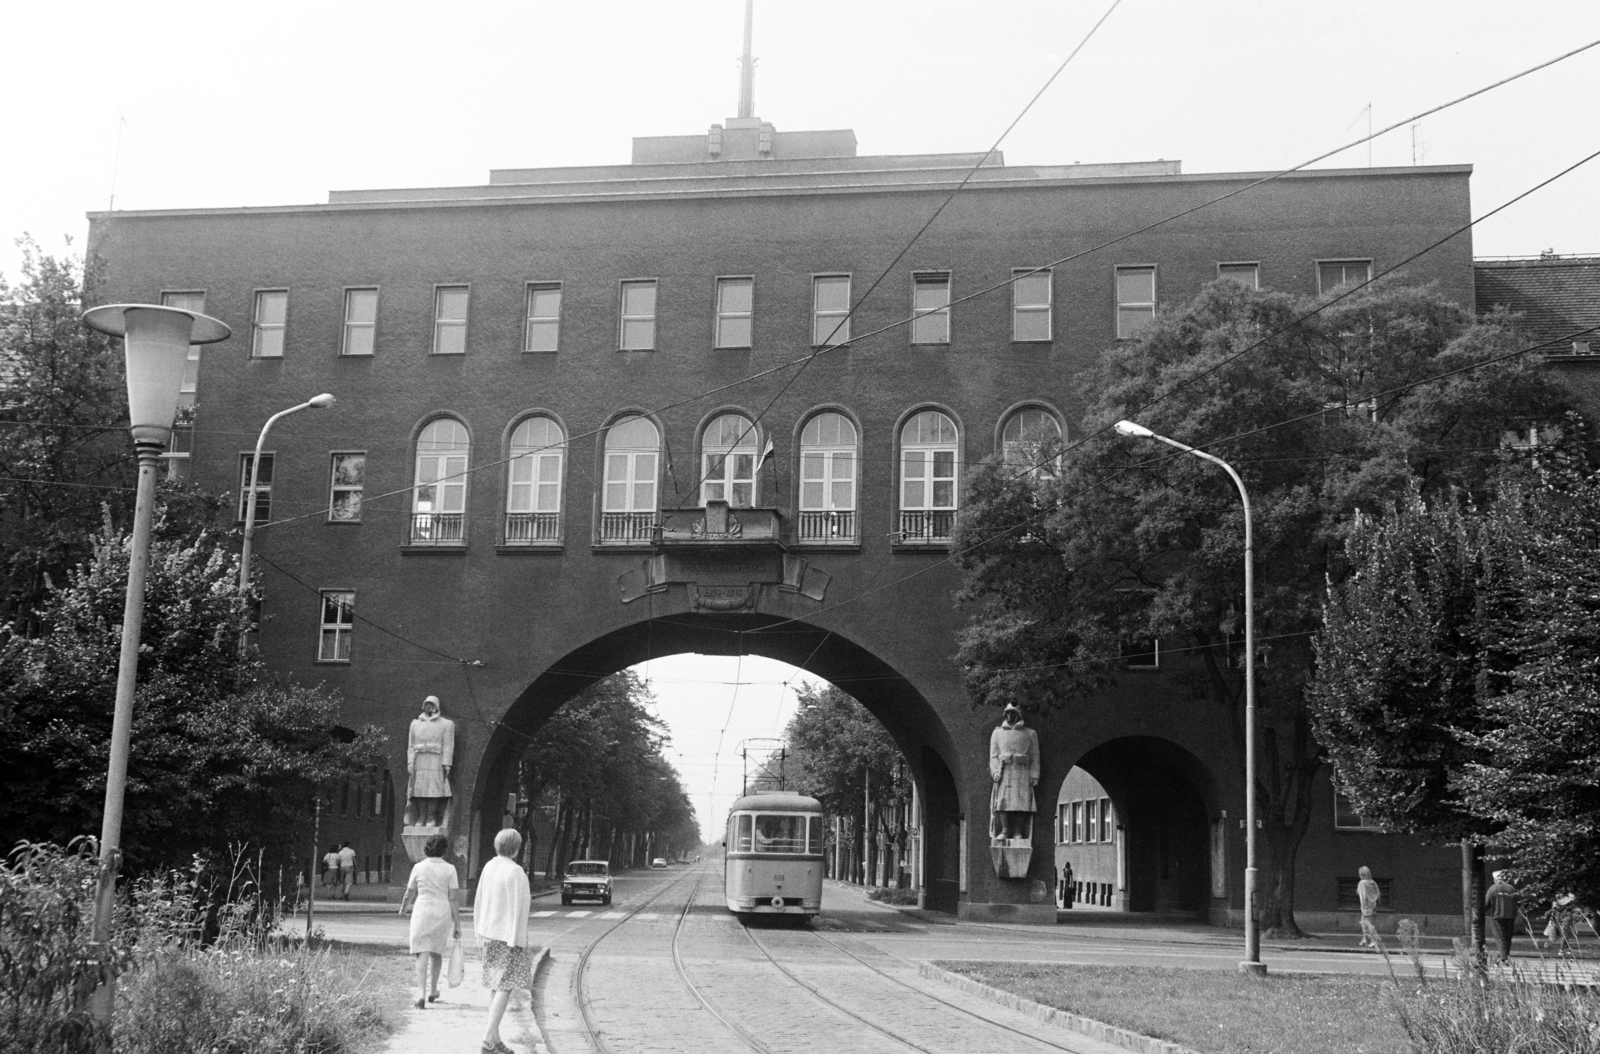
(747,68)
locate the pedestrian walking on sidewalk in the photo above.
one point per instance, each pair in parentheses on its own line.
(330,866)
(347,868)
(434,890)
(1368,893)
(1500,902)
(500,915)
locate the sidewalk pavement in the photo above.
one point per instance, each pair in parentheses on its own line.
(455,1024)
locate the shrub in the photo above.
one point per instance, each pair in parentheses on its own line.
(48,961)
(888,895)
(1473,1012)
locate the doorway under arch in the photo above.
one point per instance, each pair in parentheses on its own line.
(1134,822)
(910,720)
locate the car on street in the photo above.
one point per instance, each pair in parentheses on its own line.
(588,880)
(659,861)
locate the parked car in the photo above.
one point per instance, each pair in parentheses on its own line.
(589,879)
(659,861)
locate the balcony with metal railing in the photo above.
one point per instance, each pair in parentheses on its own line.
(533,528)
(438,528)
(627,528)
(835,527)
(927,526)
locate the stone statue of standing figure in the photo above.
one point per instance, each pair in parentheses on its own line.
(430,751)
(1014,767)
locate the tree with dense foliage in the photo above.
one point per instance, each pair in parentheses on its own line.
(598,763)
(1323,411)
(1458,688)
(842,756)
(64,447)
(221,755)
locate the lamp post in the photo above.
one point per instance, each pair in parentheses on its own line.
(156,345)
(316,402)
(1252,937)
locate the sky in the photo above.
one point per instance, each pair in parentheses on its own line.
(157,104)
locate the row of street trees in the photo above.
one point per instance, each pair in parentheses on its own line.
(596,773)
(1326,410)
(842,756)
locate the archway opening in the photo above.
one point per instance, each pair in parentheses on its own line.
(1133,830)
(884,834)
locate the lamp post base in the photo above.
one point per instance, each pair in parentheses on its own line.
(1254,969)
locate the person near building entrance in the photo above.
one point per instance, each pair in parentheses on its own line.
(330,866)
(1367,893)
(430,751)
(347,869)
(1500,904)
(1068,894)
(434,889)
(500,915)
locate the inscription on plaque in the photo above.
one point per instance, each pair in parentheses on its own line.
(724,568)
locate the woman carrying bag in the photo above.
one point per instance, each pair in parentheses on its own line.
(500,915)
(435,889)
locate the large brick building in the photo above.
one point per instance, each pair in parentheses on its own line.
(549,382)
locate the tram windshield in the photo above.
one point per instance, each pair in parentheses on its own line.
(783,832)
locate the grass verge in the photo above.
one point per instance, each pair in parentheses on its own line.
(1213,1011)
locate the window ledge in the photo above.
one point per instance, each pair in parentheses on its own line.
(920,547)
(342,523)
(853,546)
(1360,830)
(330,662)
(622,547)
(440,550)
(1594,359)
(552,548)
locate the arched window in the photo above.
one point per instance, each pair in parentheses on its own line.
(633,455)
(1030,443)
(728,461)
(439,493)
(928,460)
(828,456)
(533,490)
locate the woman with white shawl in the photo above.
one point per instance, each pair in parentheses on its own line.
(500,916)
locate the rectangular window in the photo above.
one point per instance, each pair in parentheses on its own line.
(638,316)
(930,307)
(1345,816)
(272,315)
(1062,829)
(1336,274)
(1091,821)
(1246,274)
(735,311)
(742,829)
(360,321)
(544,316)
(1136,300)
(1105,819)
(830,310)
(348,476)
(1077,821)
(196,302)
(450,320)
(815,835)
(1030,305)
(338,619)
(1142,653)
(928,479)
(783,832)
(263,487)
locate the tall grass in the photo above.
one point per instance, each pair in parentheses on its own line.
(1550,1010)
(200,965)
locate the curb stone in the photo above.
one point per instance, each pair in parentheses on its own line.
(541,1045)
(1086,1026)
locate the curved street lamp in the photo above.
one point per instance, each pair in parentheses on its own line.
(1252,935)
(316,402)
(156,346)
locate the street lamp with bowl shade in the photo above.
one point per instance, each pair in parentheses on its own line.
(316,402)
(156,344)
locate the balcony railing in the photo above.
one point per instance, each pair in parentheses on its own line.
(438,528)
(931,527)
(533,528)
(820,528)
(627,528)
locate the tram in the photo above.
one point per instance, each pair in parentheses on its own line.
(772,861)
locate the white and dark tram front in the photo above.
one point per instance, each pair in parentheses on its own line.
(773,861)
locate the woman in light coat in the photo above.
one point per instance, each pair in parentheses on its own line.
(434,888)
(500,915)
